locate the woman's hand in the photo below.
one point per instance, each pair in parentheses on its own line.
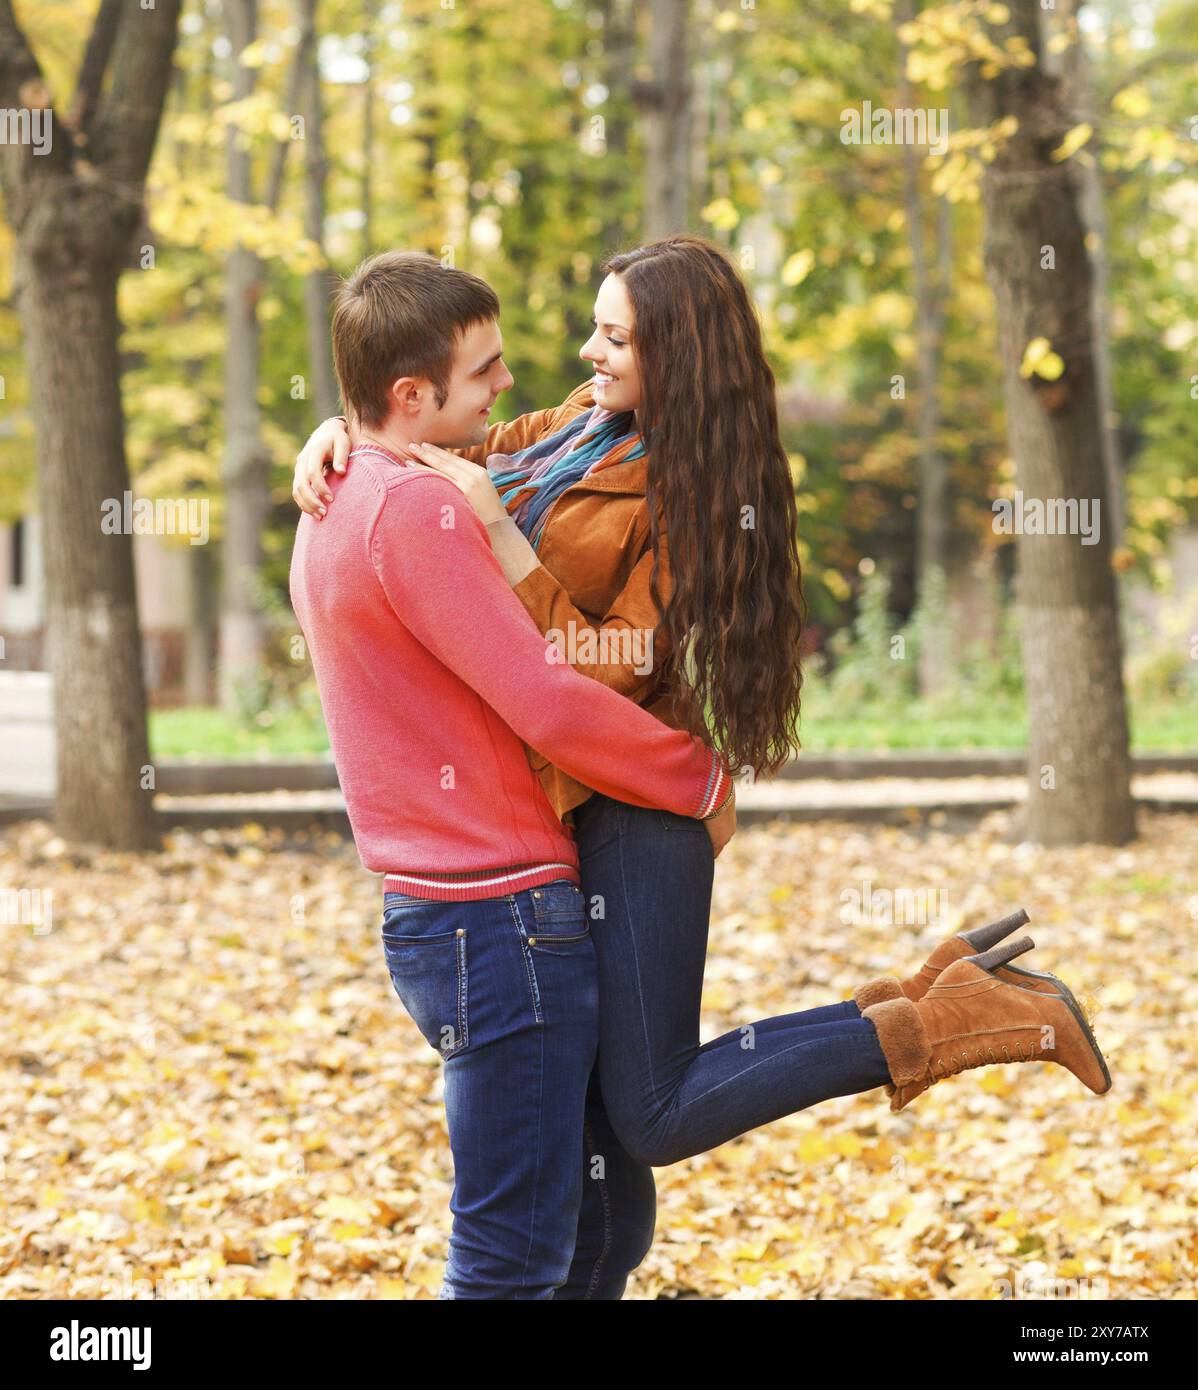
(329,440)
(471,480)
(721,828)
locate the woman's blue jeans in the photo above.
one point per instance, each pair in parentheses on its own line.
(658,1096)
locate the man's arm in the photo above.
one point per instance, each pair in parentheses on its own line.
(435,563)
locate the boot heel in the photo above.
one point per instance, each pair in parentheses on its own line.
(982,938)
(999,955)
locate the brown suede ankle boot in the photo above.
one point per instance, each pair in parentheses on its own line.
(972,1018)
(966,943)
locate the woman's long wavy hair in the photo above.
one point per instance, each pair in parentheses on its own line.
(719,484)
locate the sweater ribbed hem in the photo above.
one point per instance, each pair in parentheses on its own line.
(472,886)
(719,784)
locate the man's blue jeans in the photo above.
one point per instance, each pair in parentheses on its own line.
(505,990)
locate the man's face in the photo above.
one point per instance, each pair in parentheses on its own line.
(478,378)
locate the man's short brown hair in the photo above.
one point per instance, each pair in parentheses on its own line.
(401,313)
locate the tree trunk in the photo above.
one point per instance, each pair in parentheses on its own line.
(701,133)
(68,316)
(201,658)
(1079,774)
(426,42)
(930,293)
(245,472)
(619,46)
(471,136)
(370,38)
(1075,68)
(74,218)
(665,101)
(318,284)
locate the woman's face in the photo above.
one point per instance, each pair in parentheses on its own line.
(609,348)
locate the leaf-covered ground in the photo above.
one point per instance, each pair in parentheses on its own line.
(209,1089)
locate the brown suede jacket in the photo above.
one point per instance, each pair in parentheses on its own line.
(596,558)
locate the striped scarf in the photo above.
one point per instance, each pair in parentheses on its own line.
(594,440)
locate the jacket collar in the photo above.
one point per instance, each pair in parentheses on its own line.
(631,477)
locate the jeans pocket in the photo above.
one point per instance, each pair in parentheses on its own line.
(559,917)
(558,951)
(427,966)
(669,821)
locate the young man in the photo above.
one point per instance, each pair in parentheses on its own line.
(432,676)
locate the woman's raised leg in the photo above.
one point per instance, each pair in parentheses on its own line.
(647,877)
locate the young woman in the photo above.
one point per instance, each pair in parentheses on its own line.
(649,527)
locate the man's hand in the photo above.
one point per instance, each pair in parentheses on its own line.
(329,440)
(721,828)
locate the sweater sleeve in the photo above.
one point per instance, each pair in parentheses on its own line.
(434,562)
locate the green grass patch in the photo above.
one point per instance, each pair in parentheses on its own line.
(1159,727)
(205,733)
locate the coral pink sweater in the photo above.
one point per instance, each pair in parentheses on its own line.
(431,673)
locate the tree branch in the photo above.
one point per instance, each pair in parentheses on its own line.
(292,100)
(23,88)
(126,123)
(17,63)
(95,63)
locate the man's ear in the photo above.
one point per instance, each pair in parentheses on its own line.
(409,393)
